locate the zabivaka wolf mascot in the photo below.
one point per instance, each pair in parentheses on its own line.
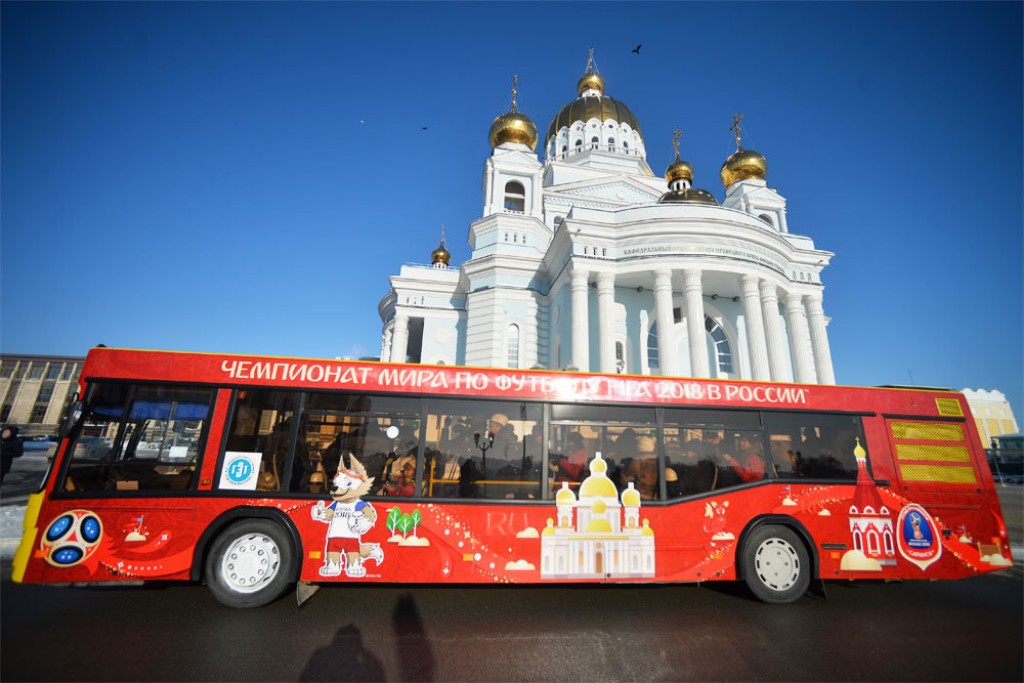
(348,518)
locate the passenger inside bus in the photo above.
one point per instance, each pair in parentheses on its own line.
(405,485)
(697,471)
(643,471)
(571,468)
(749,466)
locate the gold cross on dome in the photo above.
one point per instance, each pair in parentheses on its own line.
(675,141)
(515,80)
(590,61)
(735,128)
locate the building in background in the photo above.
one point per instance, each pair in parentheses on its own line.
(34,390)
(588,260)
(992,413)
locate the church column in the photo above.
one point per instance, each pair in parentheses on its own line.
(580,321)
(400,339)
(773,333)
(760,369)
(606,320)
(699,366)
(798,338)
(666,323)
(819,339)
(385,346)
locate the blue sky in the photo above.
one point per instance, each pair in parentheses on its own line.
(244,177)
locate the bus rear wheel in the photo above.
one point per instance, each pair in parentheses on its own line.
(776,566)
(250,564)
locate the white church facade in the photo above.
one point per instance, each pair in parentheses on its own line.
(587,260)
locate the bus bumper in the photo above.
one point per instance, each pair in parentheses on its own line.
(28,537)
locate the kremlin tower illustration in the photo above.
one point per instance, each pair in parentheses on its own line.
(870,519)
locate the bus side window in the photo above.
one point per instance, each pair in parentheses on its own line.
(815,445)
(483,449)
(261,428)
(139,438)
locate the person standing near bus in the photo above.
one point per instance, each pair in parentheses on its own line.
(10,448)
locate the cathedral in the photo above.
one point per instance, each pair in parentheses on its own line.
(587,260)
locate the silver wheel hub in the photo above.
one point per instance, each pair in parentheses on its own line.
(777,564)
(250,563)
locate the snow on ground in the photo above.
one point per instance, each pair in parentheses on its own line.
(10,529)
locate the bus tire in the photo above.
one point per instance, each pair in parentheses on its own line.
(250,563)
(776,566)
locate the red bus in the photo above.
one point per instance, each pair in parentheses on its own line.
(253,474)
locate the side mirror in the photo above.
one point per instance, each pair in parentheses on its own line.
(74,415)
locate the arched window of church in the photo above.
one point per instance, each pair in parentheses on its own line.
(515,196)
(653,359)
(611,144)
(579,145)
(722,349)
(594,142)
(767,219)
(625,146)
(513,345)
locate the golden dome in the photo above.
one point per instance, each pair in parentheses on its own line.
(631,497)
(598,485)
(600,106)
(565,496)
(692,195)
(590,81)
(599,507)
(440,255)
(598,526)
(678,170)
(743,164)
(513,127)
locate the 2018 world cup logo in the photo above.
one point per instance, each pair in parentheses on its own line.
(71,538)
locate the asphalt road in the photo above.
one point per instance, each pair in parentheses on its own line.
(967,630)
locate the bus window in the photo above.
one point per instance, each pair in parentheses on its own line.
(483,449)
(814,445)
(740,457)
(381,432)
(262,426)
(692,459)
(139,438)
(626,437)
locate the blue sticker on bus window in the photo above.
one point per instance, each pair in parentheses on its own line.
(239,470)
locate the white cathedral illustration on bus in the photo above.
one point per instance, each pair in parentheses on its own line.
(597,534)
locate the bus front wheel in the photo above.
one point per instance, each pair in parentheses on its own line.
(776,566)
(250,564)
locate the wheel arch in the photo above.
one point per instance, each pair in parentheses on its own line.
(777,520)
(229,517)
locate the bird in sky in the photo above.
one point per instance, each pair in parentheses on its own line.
(636,50)
(423,128)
